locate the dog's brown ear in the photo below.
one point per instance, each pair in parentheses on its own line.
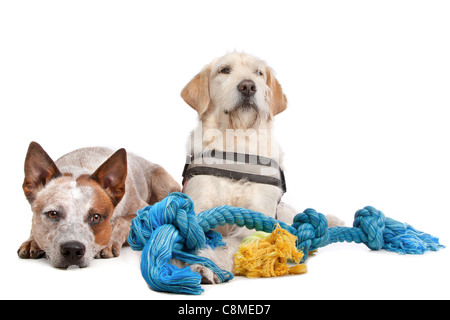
(39,170)
(196,92)
(277,99)
(112,174)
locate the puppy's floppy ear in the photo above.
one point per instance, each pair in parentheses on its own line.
(39,170)
(196,92)
(112,174)
(277,99)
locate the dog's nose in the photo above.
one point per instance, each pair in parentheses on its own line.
(247,88)
(73,251)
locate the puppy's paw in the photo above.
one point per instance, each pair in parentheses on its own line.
(208,277)
(30,250)
(112,250)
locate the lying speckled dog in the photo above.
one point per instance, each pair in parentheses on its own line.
(83,204)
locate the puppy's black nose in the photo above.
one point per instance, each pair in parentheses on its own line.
(247,88)
(72,251)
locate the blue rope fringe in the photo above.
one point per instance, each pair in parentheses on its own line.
(170,229)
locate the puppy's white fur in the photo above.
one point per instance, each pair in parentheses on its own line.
(230,122)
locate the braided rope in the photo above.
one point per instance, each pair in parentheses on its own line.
(170,230)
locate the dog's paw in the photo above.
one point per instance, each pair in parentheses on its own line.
(208,277)
(30,250)
(112,250)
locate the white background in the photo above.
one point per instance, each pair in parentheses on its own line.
(368,84)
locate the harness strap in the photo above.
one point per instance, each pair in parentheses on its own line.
(235,166)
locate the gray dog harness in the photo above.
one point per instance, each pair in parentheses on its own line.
(235,166)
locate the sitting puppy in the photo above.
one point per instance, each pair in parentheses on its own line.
(233,157)
(83,204)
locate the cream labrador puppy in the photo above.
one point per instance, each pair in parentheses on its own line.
(233,157)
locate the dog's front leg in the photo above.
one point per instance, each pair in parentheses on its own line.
(119,235)
(30,250)
(120,228)
(223,257)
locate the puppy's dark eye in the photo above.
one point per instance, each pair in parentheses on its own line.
(95,218)
(259,73)
(53,215)
(225,70)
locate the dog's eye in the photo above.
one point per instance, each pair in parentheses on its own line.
(52,215)
(96,218)
(225,70)
(259,73)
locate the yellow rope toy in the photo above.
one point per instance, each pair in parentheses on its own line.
(264,255)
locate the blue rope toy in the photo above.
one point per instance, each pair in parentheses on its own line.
(170,229)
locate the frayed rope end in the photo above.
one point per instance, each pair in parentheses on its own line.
(404,239)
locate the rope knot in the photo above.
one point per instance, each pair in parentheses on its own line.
(177,210)
(372,223)
(312,230)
